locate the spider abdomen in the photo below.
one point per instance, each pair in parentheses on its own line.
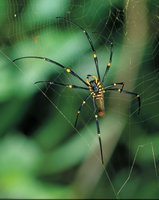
(100,105)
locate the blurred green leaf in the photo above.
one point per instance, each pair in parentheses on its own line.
(39,11)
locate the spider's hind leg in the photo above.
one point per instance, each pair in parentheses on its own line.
(98,131)
(129,93)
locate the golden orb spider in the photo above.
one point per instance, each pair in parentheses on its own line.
(94,86)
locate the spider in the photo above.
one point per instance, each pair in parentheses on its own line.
(94,84)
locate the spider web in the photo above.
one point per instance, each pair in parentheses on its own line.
(45,125)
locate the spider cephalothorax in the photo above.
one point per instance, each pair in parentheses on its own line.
(95,86)
(96,89)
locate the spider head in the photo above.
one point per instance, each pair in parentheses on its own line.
(93,83)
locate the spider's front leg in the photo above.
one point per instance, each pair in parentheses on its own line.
(61,84)
(109,63)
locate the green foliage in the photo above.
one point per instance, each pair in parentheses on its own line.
(42,155)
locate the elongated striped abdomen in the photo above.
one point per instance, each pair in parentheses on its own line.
(100,105)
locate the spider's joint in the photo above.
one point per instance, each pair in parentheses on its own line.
(98,134)
(70,86)
(114,84)
(83,102)
(78,112)
(119,90)
(94,55)
(96,116)
(68,70)
(44,58)
(87,80)
(108,64)
(84,31)
(137,95)
(99,84)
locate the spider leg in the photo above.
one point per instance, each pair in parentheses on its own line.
(129,93)
(115,84)
(61,84)
(80,108)
(98,130)
(90,42)
(54,62)
(109,63)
